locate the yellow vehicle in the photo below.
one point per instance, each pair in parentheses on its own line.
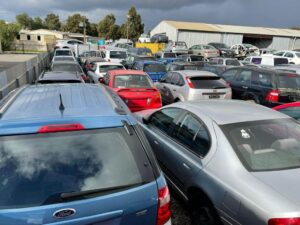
(154,47)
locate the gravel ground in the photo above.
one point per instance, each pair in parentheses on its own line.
(180,214)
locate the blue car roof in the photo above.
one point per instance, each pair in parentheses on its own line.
(93,106)
(151,62)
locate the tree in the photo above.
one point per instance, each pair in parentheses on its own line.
(106,26)
(8,33)
(114,32)
(73,24)
(134,26)
(94,30)
(37,23)
(25,21)
(52,22)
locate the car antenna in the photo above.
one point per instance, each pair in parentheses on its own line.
(61,106)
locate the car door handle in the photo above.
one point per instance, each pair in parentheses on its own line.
(245,87)
(186,166)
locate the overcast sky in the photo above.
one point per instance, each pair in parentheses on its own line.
(270,13)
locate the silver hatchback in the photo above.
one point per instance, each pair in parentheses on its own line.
(188,85)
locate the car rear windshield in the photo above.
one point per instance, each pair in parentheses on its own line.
(66,68)
(208,82)
(36,169)
(154,68)
(278,61)
(64,59)
(132,81)
(190,67)
(232,62)
(105,68)
(62,52)
(266,145)
(195,58)
(118,55)
(289,81)
(170,55)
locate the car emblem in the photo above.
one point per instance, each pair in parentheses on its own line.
(63,213)
(148,101)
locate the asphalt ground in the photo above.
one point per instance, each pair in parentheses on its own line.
(180,213)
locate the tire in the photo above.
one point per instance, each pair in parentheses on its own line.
(177,100)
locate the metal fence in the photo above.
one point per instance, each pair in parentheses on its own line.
(27,77)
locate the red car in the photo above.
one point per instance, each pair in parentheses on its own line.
(135,88)
(291,109)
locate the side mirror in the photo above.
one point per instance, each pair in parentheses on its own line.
(101,80)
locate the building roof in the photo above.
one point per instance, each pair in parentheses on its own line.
(218,28)
(52,32)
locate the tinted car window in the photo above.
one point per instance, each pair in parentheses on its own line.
(293,112)
(289,55)
(105,68)
(265,80)
(278,61)
(232,62)
(66,68)
(193,134)
(256,60)
(154,68)
(164,118)
(195,58)
(229,74)
(169,55)
(245,77)
(207,82)
(132,81)
(50,164)
(118,55)
(63,52)
(266,145)
(189,67)
(279,53)
(289,81)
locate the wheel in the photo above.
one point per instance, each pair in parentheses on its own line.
(177,100)
(203,213)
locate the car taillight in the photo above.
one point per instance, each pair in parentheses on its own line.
(189,82)
(273,96)
(157,98)
(163,212)
(284,221)
(84,77)
(60,128)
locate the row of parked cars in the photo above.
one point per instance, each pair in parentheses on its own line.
(76,154)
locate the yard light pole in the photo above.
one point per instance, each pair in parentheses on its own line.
(83,24)
(128,17)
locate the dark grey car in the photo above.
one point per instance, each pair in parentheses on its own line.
(233,162)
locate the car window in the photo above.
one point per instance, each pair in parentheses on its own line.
(177,79)
(266,145)
(220,61)
(196,58)
(244,77)
(168,78)
(50,164)
(279,53)
(229,74)
(59,67)
(289,55)
(293,112)
(232,62)
(105,68)
(256,60)
(164,118)
(153,67)
(208,82)
(193,134)
(118,54)
(264,80)
(289,81)
(132,81)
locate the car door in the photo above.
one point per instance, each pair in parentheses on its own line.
(176,87)
(289,56)
(157,131)
(163,86)
(241,84)
(261,85)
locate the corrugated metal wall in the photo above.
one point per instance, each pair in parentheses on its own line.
(232,39)
(280,43)
(193,38)
(165,28)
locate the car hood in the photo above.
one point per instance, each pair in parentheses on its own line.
(284,182)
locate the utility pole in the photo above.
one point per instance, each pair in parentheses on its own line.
(128,22)
(83,24)
(0,46)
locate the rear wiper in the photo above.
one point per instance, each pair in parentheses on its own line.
(76,194)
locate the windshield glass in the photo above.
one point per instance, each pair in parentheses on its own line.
(169,55)
(232,62)
(66,68)
(63,52)
(132,81)
(289,81)
(196,58)
(118,55)
(154,68)
(35,169)
(266,145)
(105,68)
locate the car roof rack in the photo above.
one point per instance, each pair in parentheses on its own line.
(8,100)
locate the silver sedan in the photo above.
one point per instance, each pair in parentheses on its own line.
(233,162)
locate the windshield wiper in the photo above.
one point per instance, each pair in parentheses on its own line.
(76,194)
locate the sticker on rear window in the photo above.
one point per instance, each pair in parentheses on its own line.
(245,134)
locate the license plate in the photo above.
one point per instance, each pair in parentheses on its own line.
(213,96)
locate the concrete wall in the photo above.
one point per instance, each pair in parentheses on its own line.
(164,28)
(27,69)
(194,38)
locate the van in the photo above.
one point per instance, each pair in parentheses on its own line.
(267,60)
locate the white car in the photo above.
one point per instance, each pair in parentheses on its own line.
(99,69)
(267,60)
(292,56)
(69,43)
(243,50)
(144,38)
(116,55)
(64,58)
